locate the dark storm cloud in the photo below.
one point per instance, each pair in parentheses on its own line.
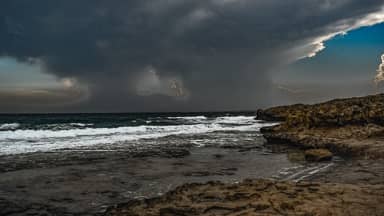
(218,52)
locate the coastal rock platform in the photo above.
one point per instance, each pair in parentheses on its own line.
(353,127)
(261,197)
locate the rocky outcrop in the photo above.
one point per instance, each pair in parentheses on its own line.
(339,112)
(352,126)
(260,197)
(316,155)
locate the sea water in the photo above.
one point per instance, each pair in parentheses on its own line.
(54,132)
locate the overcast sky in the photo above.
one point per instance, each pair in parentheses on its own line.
(184,55)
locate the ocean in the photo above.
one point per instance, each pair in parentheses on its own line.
(55,132)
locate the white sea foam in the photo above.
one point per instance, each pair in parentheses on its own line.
(9,126)
(24,141)
(189,117)
(235,120)
(80,124)
(302,172)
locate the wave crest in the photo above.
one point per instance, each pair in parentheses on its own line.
(9,126)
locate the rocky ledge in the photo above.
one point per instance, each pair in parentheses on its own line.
(353,126)
(261,197)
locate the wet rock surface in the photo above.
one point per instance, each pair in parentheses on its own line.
(353,127)
(315,155)
(261,197)
(88,182)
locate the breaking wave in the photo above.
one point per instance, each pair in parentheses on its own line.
(235,120)
(189,117)
(84,135)
(9,126)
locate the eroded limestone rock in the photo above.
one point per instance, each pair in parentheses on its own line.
(260,197)
(352,126)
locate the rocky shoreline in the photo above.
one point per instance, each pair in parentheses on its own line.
(350,127)
(347,127)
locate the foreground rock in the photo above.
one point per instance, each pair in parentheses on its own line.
(352,126)
(261,197)
(317,155)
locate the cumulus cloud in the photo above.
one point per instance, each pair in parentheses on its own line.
(380,72)
(218,52)
(342,27)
